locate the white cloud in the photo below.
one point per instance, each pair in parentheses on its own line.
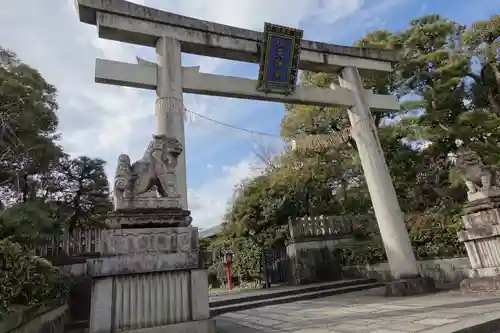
(104,121)
(209,202)
(251,14)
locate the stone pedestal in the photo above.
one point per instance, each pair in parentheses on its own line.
(410,287)
(481,238)
(149,278)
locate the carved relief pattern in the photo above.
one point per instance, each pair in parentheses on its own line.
(141,263)
(124,241)
(149,219)
(482,219)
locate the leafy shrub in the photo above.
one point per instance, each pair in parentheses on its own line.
(246,260)
(26,278)
(27,223)
(433,235)
(361,253)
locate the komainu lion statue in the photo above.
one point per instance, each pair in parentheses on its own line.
(478,176)
(155,168)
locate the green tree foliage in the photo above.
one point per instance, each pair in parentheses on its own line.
(260,209)
(38,181)
(44,191)
(82,190)
(448,81)
(482,42)
(28,121)
(28,223)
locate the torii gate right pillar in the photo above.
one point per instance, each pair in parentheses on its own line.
(402,262)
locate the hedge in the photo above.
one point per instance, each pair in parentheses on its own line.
(28,279)
(432,236)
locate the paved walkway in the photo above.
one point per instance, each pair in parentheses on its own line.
(368,312)
(242,293)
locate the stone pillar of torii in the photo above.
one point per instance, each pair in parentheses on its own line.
(172,34)
(169,107)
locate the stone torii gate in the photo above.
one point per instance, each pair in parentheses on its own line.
(173,34)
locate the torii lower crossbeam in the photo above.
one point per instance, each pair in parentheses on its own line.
(144,75)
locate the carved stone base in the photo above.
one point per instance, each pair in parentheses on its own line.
(175,301)
(148,202)
(481,201)
(484,272)
(131,251)
(148,240)
(481,284)
(141,263)
(145,217)
(482,242)
(410,287)
(199,326)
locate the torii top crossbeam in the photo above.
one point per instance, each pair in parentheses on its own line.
(128,22)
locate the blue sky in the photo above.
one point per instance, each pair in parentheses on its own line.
(105,121)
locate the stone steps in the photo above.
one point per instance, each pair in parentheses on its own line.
(287,295)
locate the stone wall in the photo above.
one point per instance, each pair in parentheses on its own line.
(313,240)
(313,261)
(44,318)
(446,272)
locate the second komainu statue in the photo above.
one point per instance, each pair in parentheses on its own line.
(479,178)
(156,169)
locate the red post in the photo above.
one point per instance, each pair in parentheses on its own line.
(228,276)
(228,260)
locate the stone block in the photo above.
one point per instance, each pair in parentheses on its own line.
(481,238)
(483,248)
(484,272)
(483,194)
(485,284)
(410,287)
(161,240)
(482,219)
(477,234)
(142,263)
(148,203)
(147,218)
(101,314)
(200,326)
(169,301)
(199,289)
(481,202)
